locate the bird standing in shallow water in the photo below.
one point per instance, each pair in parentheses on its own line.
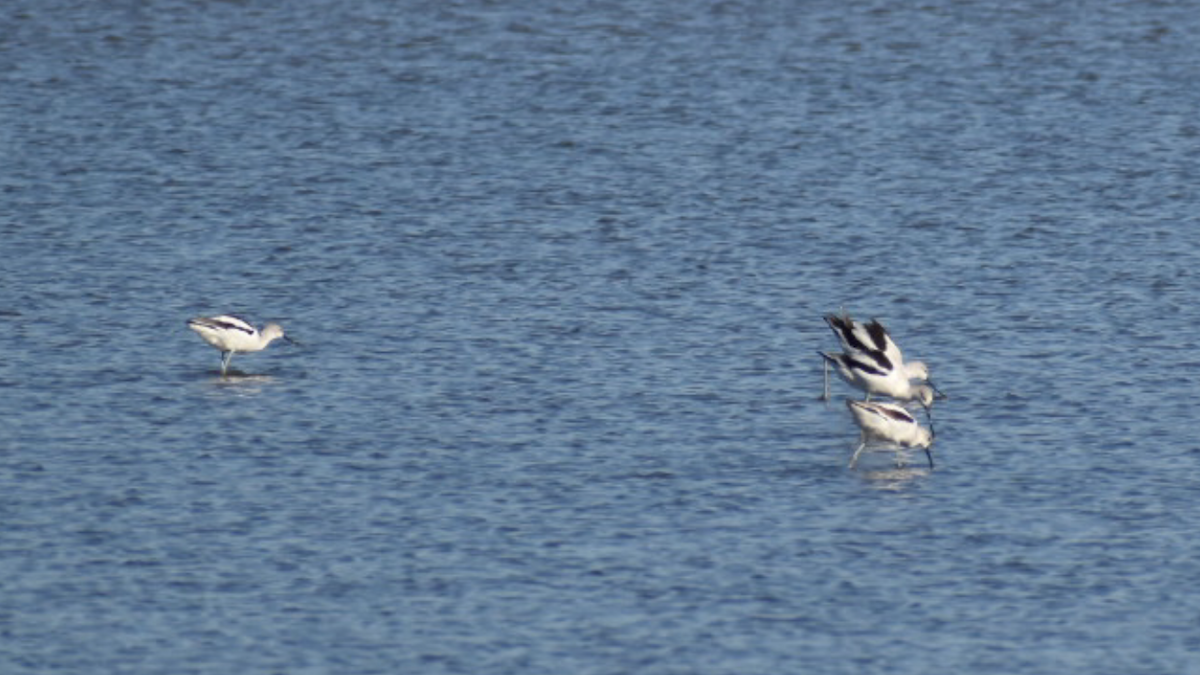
(889,424)
(231,334)
(872,362)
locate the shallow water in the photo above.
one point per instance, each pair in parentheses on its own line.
(558,277)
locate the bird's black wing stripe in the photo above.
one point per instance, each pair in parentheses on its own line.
(878,334)
(879,357)
(845,330)
(898,415)
(233,326)
(224,325)
(857,364)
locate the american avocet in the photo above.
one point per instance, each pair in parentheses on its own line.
(871,336)
(231,334)
(874,339)
(888,424)
(869,374)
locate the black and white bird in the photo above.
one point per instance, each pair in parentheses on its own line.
(231,334)
(864,372)
(873,338)
(872,362)
(888,424)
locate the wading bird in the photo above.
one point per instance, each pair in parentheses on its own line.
(888,424)
(231,334)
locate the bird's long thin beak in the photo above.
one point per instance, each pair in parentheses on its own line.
(938,393)
(291,341)
(929,456)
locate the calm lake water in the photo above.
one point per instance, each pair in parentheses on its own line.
(558,275)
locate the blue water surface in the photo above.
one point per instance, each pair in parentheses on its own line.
(558,272)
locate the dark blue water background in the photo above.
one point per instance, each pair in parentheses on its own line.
(558,270)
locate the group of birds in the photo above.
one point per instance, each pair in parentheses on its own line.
(872,362)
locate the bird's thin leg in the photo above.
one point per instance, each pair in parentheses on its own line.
(825,364)
(929,456)
(225,358)
(854,458)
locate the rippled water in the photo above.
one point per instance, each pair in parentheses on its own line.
(558,276)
